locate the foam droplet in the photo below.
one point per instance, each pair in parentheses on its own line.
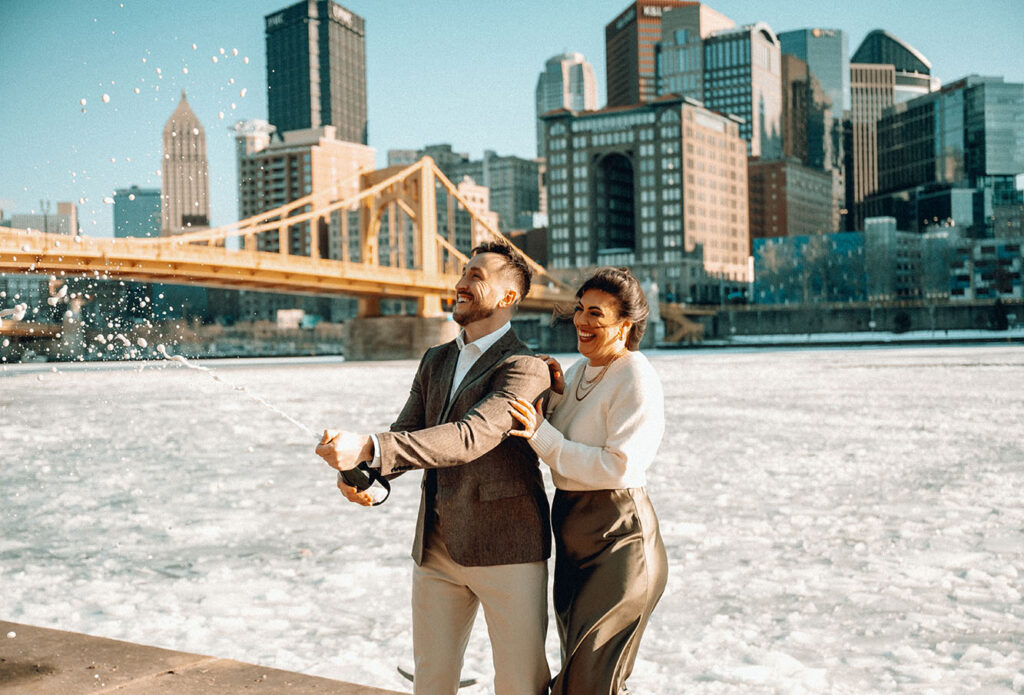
(82,102)
(106,98)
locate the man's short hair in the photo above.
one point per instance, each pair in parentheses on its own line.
(515,264)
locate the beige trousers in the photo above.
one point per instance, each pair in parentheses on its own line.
(445,596)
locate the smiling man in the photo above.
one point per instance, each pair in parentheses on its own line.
(483,532)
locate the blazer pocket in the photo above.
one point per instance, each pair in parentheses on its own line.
(501,489)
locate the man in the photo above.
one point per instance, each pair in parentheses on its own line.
(482,535)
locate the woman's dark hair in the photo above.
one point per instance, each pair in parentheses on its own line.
(621,284)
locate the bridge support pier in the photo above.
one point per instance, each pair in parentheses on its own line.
(396,337)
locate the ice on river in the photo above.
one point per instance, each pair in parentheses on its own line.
(837,521)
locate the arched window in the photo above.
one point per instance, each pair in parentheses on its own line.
(615,217)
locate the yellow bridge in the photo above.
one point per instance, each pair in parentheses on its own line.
(395,208)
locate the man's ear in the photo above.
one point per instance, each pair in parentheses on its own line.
(511,295)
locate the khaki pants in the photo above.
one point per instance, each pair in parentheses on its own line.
(445,596)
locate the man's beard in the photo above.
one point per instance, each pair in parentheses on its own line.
(477,313)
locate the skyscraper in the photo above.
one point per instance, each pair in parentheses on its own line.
(629,42)
(185,184)
(704,56)
(136,212)
(825,52)
(743,76)
(951,157)
(912,70)
(316,69)
(567,82)
(680,53)
(883,71)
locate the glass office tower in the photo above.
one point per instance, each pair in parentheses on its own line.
(316,69)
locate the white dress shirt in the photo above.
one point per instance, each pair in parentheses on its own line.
(469,353)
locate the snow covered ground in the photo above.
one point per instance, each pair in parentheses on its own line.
(837,521)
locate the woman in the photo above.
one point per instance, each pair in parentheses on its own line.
(606,420)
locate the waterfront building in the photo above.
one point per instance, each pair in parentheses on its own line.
(988,269)
(137,212)
(316,69)
(808,269)
(879,263)
(660,187)
(629,47)
(892,259)
(952,156)
(567,82)
(185,179)
(788,199)
(883,71)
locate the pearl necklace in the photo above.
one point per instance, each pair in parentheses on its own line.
(584,385)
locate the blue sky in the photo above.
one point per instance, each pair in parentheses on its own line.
(457,71)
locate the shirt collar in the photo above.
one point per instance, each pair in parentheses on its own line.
(484,343)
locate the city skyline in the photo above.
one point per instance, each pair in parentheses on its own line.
(431,79)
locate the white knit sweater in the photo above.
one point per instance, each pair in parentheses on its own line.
(607,440)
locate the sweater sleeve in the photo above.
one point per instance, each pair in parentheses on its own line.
(635,422)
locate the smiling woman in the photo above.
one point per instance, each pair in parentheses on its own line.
(611,565)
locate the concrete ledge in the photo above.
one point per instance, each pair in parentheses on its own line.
(43,661)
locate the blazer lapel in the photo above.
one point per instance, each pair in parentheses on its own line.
(442,386)
(481,367)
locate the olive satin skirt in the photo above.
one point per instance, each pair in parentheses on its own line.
(610,571)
